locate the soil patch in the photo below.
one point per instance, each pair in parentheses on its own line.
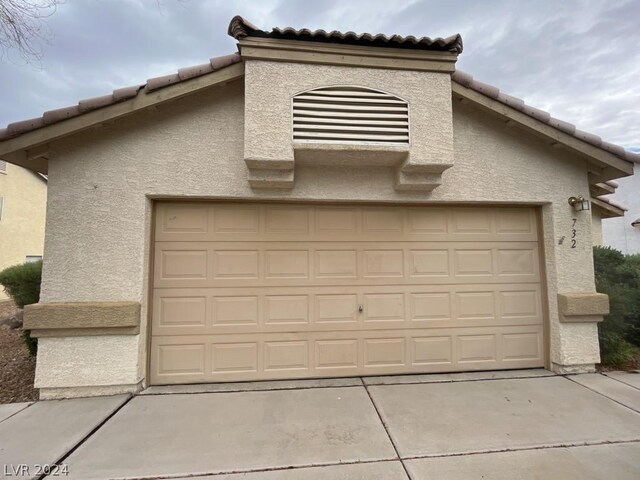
(17,366)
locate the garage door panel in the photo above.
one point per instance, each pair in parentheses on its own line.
(235,310)
(379,307)
(475,222)
(385,352)
(382,264)
(335,308)
(287,221)
(337,221)
(334,354)
(181,310)
(286,309)
(336,263)
(235,220)
(517,262)
(521,347)
(184,221)
(279,309)
(269,291)
(429,352)
(247,264)
(423,263)
(382,220)
(242,222)
(473,263)
(474,306)
(286,355)
(235,264)
(321,354)
(515,223)
(234,357)
(430,306)
(521,304)
(183,264)
(181,359)
(431,221)
(477,348)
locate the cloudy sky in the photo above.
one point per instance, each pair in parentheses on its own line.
(578,59)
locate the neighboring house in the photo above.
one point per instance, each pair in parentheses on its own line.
(318,205)
(23,204)
(623,233)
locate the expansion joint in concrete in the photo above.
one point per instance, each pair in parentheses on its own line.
(61,460)
(386,428)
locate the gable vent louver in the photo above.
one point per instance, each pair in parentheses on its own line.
(350,115)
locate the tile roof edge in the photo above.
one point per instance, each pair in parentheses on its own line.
(612,202)
(240,28)
(118,95)
(467,80)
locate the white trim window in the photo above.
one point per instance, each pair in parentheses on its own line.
(3,166)
(32,258)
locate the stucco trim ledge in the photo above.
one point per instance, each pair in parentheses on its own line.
(66,319)
(582,306)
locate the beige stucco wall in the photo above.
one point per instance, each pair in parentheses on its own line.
(596,227)
(268,130)
(98,246)
(23,217)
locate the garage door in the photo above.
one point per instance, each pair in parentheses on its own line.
(268,291)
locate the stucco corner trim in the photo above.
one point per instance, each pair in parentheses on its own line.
(82,318)
(582,306)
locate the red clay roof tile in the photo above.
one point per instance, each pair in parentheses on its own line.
(240,28)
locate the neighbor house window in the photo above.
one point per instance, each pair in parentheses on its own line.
(33,258)
(3,166)
(350,115)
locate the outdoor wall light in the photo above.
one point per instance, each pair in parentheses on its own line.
(579,203)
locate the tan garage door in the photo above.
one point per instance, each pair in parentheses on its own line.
(266,291)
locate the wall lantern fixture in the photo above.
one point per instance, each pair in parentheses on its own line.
(579,203)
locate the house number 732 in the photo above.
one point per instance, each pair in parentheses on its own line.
(574,233)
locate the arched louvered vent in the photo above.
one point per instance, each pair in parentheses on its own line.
(350,115)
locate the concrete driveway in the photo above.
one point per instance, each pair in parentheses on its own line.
(492,425)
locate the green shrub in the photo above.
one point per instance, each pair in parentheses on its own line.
(30,342)
(22,284)
(618,276)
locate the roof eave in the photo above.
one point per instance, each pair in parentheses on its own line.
(605,165)
(606,209)
(16,150)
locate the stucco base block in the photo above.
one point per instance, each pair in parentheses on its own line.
(80,392)
(578,344)
(571,369)
(100,361)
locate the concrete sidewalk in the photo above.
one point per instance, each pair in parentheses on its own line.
(526,424)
